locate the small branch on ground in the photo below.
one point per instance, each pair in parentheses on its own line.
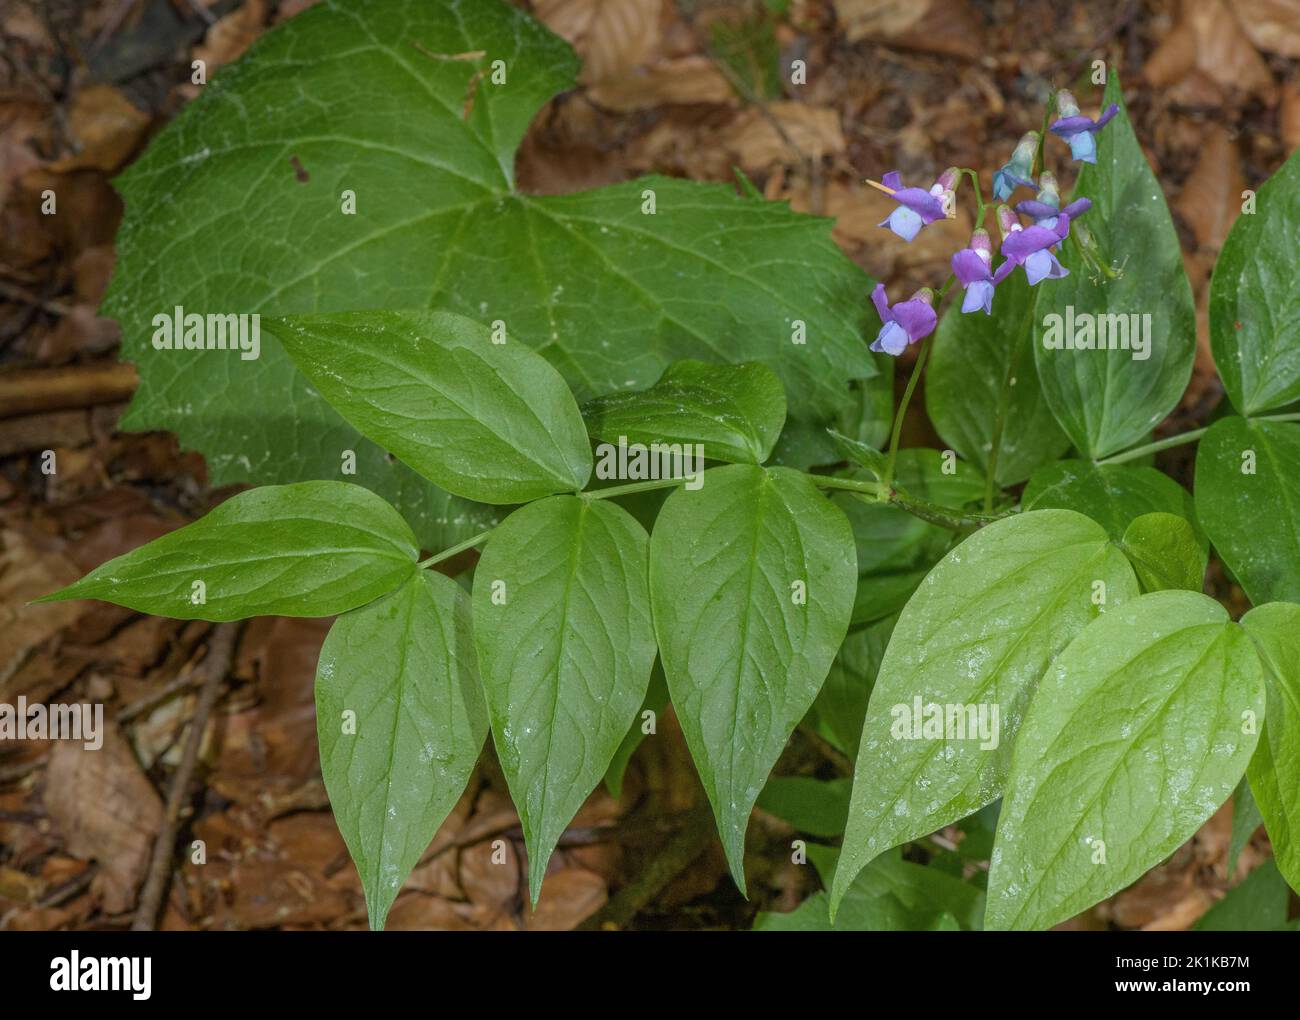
(211,673)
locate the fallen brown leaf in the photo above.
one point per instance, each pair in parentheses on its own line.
(1211,197)
(106,810)
(611,36)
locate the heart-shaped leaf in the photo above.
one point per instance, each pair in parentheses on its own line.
(1140,730)
(963,663)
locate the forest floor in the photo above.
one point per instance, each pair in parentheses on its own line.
(688,89)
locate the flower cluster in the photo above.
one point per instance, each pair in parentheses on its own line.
(1033,247)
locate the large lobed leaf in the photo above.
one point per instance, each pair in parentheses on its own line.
(237,207)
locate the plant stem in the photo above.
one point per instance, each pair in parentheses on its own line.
(1179,440)
(849,484)
(447,554)
(888,480)
(630,487)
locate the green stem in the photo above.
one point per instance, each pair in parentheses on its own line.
(630,487)
(982,206)
(1179,440)
(1037,168)
(888,480)
(447,554)
(848,484)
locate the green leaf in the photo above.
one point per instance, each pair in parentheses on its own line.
(1113,495)
(735,411)
(310,549)
(1165,552)
(1248,502)
(752,580)
(819,807)
(896,548)
(859,453)
(1139,732)
(562,624)
(1107,400)
(1246,817)
(889,895)
(976,637)
(373,100)
(656,700)
(923,891)
(490,422)
(841,704)
(1255,299)
(401,721)
(1274,772)
(981,381)
(1258,903)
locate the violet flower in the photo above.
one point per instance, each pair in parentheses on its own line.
(973,267)
(916,206)
(1031,247)
(1047,206)
(1017,170)
(904,323)
(1078,130)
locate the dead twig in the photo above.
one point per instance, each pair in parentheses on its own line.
(24,392)
(212,671)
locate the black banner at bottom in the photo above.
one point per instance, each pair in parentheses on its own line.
(241,969)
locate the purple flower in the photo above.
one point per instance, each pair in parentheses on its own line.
(1047,206)
(916,206)
(904,323)
(1015,173)
(1031,247)
(973,268)
(1078,130)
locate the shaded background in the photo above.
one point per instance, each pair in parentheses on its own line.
(690,89)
